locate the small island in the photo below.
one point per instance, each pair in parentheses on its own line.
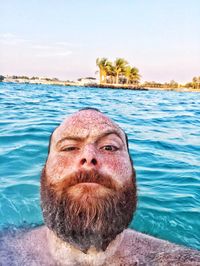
(115,75)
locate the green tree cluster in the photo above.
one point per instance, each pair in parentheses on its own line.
(1,78)
(196,82)
(117,72)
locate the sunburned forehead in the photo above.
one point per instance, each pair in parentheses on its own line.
(86,123)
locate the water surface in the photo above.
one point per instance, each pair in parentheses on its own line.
(164,132)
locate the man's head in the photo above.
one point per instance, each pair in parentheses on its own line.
(88,189)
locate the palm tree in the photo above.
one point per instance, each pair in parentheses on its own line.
(120,71)
(120,65)
(134,75)
(102,64)
(110,72)
(127,73)
(194,82)
(173,84)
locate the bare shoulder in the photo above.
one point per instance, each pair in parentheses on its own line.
(24,247)
(153,251)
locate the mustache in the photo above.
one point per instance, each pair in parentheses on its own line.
(83,176)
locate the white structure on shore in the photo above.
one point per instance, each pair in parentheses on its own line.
(87,81)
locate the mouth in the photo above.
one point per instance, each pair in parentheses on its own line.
(89,184)
(88,189)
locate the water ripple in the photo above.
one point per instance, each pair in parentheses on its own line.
(163,130)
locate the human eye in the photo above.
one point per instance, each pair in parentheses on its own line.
(70,148)
(111,148)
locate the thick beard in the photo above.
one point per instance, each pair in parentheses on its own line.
(84,217)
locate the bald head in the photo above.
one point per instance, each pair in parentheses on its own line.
(88,119)
(86,122)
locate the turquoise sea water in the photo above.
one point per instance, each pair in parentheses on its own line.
(164,133)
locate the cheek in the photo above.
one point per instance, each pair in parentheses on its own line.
(57,165)
(119,166)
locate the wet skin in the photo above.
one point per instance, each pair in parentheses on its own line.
(88,140)
(38,247)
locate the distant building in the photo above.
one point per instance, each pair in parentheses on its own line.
(87,81)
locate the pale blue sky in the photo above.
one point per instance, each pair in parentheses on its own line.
(63,38)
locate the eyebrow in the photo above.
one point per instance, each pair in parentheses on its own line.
(110,132)
(103,135)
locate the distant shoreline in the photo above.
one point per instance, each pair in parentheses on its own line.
(95,85)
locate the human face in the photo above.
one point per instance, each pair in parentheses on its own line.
(88,140)
(88,189)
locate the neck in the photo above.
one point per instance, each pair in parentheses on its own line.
(64,252)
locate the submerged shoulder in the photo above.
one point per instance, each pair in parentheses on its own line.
(145,244)
(23,247)
(154,251)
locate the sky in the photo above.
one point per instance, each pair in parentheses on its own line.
(63,39)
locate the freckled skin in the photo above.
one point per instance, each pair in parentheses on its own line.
(89,125)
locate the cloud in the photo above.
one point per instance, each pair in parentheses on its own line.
(7,35)
(11,39)
(54,54)
(53,50)
(35,48)
(64,43)
(42,47)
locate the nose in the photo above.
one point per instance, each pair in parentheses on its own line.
(88,157)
